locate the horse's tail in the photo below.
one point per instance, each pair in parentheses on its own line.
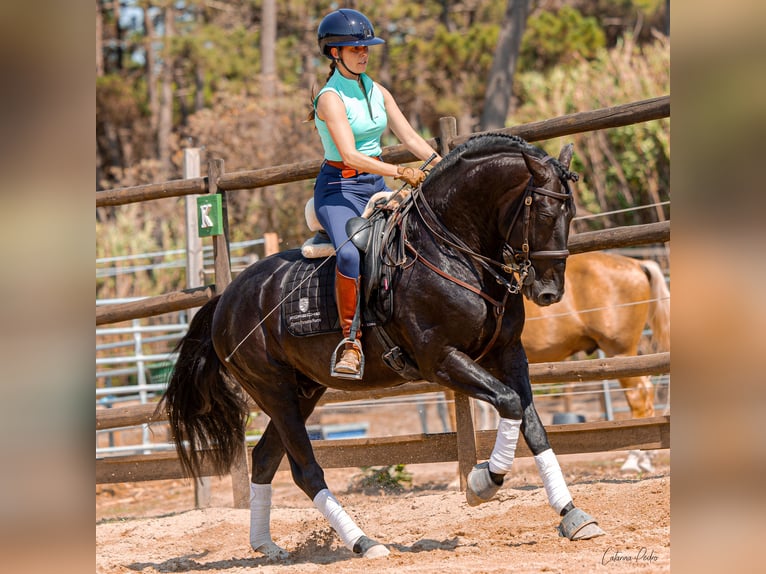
(659,308)
(206,412)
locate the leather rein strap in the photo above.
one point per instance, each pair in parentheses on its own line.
(498,306)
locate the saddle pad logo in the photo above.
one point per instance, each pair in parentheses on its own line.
(308,299)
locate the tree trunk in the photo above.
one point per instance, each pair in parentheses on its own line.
(268,73)
(150,70)
(268,89)
(199,86)
(165,120)
(117,33)
(667,18)
(268,50)
(497,99)
(99,40)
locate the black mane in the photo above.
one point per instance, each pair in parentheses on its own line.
(489,143)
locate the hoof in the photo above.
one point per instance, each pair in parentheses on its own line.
(370,548)
(637,461)
(645,462)
(377,551)
(589,531)
(579,525)
(272,551)
(480,487)
(631,463)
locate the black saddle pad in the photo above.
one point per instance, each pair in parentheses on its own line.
(308,295)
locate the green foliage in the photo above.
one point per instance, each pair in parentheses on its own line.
(621,167)
(117,100)
(559,38)
(387,479)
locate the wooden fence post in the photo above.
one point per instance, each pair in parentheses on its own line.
(194,268)
(447,132)
(462,417)
(271,243)
(240,476)
(194,278)
(221,254)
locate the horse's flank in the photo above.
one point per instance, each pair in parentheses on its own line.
(608,300)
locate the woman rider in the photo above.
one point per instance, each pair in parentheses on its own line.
(350,113)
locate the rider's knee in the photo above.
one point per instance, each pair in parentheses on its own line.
(348,260)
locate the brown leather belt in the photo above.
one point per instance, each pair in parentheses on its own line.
(345,170)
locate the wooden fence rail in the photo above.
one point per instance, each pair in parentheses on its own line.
(649,433)
(612,117)
(189,298)
(563,372)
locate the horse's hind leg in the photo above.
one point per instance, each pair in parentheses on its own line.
(639,392)
(287,418)
(266,457)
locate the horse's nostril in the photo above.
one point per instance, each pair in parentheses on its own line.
(546,299)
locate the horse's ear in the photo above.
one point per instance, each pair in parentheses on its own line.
(565,157)
(536,167)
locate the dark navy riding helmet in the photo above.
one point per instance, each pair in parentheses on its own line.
(345,27)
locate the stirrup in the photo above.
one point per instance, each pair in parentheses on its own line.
(334,359)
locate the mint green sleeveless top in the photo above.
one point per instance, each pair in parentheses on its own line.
(366,113)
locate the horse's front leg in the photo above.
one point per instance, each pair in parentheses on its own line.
(512,398)
(459,372)
(575,523)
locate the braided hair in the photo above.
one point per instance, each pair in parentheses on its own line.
(312,113)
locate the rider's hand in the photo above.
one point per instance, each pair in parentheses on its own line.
(410,175)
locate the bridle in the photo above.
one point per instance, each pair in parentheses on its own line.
(515,263)
(520,263)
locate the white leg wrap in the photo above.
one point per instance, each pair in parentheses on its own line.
(631,463)
(329,506)
(260,513)
(501,459)
(553,480)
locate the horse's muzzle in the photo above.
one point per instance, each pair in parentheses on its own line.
(545,298)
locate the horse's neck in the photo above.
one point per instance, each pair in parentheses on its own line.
(477,213)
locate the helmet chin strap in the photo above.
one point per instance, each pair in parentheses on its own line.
(342,63)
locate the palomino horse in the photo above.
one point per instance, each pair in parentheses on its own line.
(608,300)
(489,223)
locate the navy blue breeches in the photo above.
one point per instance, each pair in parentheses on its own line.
(336,200)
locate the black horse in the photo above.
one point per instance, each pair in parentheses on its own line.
(490,223)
